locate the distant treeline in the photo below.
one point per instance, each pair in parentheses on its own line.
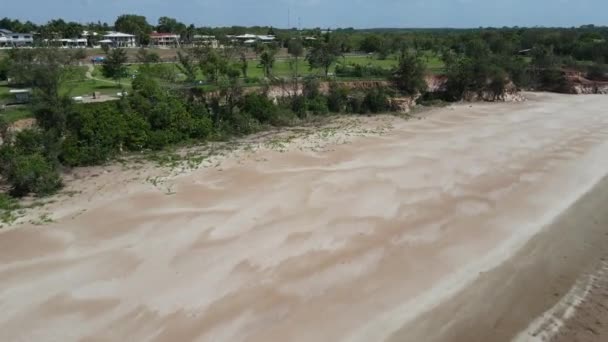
(587,42)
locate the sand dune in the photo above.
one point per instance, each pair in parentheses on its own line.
(378,239)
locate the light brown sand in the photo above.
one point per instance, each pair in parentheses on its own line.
(378,239)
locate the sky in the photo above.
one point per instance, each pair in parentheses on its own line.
(323,13)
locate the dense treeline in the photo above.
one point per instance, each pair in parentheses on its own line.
(583,43)
(151,117)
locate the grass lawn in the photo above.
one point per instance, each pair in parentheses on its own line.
(14,113)
(435,65)
(4,92)
(283,67)
(131,70)
(81,86)
(87,87)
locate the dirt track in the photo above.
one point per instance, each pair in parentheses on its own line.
(446,229)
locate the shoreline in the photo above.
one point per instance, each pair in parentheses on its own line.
(533,295)
(439,230)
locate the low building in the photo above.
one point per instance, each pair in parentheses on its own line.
(91,37)
(199,39)
(13,39)
(118,39)
(164,39)
(249,39)
(70,43)
(266,38)
(21,95)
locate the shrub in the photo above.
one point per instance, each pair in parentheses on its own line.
(7,206)
(552,79)
(29,141)
(361,71)
(201,127)
(157,140)
(7,156)
(260,108)
(4,68)
(202,123)
(317,105)
(239,123)
(376,101)
(95,133)
(337,98)
(252,80)
(408,77)
(298,106)
(498,80)
(597,72)
(355,103)
(7,203)
(33,174)
(310,88)
(137,131)
(518,73)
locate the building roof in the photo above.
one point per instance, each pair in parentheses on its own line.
(20,91)
(160,35)
(246,36)
(118,35)
(266,37)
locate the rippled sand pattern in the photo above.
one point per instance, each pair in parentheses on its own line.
(349,244)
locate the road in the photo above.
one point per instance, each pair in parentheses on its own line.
(457,226)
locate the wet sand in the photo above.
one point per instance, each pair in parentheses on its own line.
(471,224)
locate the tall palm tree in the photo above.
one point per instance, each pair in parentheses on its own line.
(267,59)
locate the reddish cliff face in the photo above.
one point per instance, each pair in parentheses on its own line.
(436,83)
(579,84)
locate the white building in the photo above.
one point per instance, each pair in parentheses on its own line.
(164,39)
(253,38)
(70,43)
(200,39)
(13,39)
(118,39)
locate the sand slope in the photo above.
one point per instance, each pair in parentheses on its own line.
(353,244)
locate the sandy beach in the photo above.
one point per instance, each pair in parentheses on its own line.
(473,222)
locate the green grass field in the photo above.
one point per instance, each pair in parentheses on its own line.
(4,92)
(88,87)
(15,113)
(79,85)
(11,113)
(284,67)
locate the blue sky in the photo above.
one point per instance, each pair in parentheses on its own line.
(324,13)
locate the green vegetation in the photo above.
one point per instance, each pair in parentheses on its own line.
(136,25)
(8,208)
(15,113)
(114,66)
(409,74)
(154,116)
(200,96)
